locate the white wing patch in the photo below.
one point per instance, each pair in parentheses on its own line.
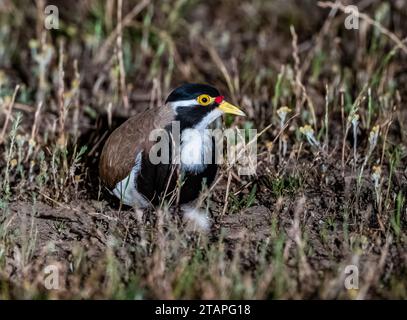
(126,190)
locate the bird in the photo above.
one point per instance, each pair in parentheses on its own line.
(128,169)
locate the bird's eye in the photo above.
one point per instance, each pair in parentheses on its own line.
(204,99)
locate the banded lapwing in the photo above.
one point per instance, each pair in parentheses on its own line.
(126,166)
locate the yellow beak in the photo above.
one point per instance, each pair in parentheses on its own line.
(226,107)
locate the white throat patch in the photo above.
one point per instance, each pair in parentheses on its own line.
(196,150)
(208,119)
(197,145)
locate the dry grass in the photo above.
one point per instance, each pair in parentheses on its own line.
(331,183)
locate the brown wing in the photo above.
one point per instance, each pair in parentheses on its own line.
(120,150)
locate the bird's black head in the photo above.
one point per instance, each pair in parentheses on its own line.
(191,91)
(198,105)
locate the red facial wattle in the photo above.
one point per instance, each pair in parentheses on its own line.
(219,99)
